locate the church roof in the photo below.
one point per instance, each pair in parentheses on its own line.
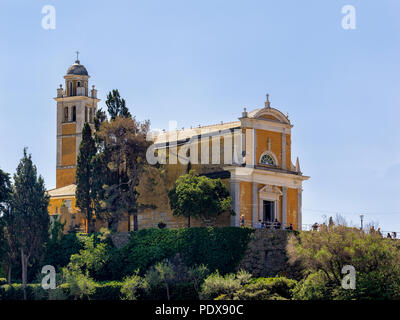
(77,69)
(188,133)
(67,191)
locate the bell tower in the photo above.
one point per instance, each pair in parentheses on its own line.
(75,106)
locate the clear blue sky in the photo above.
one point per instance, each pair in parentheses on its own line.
(200,62)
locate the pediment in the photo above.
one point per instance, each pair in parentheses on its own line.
(268,189)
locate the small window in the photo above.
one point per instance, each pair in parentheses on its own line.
(79,84)
(73,113)
(267,159)
(66,114)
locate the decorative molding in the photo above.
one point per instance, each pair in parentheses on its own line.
(273,112)
(66,167)
(266,125)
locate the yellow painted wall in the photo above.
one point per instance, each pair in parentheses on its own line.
(288,151)
(276,144)
(68,155)
(292,207)
(246,207)
(68,128)
(65,177)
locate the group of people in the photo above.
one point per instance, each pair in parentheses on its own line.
(267,224)
(372,230)
(392,236)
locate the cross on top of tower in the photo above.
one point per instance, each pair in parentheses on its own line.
(77,57)
(267,103)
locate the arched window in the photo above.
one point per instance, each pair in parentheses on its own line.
(73,113)
(267,159)
(66,114)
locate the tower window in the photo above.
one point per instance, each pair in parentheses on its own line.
(86,114)
(73,113)
(91,115)
(70,89)
(66,114)
(79,84)
(267,159)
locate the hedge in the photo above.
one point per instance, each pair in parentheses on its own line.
(104,291)
(15,291)
(178,291)
(217,248)
(257,289)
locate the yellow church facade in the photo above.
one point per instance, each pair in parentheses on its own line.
(252,155)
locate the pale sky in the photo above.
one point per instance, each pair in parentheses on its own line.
(201,62)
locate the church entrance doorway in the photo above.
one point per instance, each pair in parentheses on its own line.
(268,211)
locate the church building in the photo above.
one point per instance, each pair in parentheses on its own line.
(252,155)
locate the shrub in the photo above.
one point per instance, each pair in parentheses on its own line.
(51,294)
(161,275)
(314,287)
(197,274)
(133,287)
(107,291)
(15,291)
(59,251)
(278,288)
(217,286)
(96,255)
(323,253)
(80,285)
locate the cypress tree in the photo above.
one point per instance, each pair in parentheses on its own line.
(28,215)
(84,175)
(117,106)
(5,193)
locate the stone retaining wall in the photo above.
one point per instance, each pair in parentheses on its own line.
(266,254)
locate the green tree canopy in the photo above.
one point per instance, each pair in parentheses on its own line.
(324,253)
(116,105)
(85,195)
(5,190)
(5,193)
(199,196)
(121,164)
(28,220)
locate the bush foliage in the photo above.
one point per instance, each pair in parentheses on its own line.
(217,248)
(324,253)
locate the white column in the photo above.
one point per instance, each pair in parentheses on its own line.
(235,194)
(250,147)
(254,147)
(254,197)
(284,207)
(299,211)
(283,151)
(277,210)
